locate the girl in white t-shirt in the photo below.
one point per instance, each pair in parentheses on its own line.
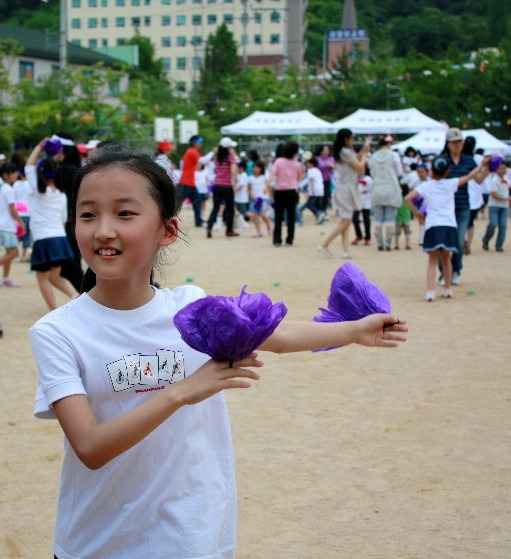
(440,238)
(259,202)
(48,207)
(148,463)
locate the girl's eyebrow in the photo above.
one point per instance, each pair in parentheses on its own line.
(125,200)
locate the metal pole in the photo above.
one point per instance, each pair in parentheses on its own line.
(63,35)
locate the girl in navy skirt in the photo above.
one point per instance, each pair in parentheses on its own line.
(441,235)
(48,206)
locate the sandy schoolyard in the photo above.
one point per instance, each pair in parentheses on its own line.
(356,453)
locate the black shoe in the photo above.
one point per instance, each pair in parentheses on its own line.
(485,245)
(209,235)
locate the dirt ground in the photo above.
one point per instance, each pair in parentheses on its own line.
(356,453)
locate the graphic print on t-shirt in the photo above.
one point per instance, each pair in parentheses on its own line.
(146,370)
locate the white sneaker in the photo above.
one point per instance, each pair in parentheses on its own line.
(441,280)
(447,293)
(430,296)
(324,251)
(455,278)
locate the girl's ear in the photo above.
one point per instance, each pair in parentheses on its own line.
(170,233)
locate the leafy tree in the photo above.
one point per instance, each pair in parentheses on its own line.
(148,65)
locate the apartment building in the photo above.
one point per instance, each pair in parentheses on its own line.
(268,32)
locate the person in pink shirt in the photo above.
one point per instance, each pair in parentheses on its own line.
(286,173)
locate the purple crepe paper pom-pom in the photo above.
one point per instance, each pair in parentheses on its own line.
(258,204)
(52,147)
(352,296)
(229,328)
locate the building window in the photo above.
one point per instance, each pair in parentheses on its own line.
(135,2)
(274,39)
(212,19)
(211,1)
(147,21)
(93,22)
(196,1)
(196,20)
(104,22)
(196,40)
(147,2)
(181,63)
(113,87)
(120,21)
(257,39)
(165,21)
(93,3)
(166,64)
(120,2)
(258,17)
(121,41)
(26,70)
(76,42)
(181,41)
(135,22)
(165,42)
(93,43)
(275,17)
(196,63)
(76,3)
(104,3)
(180,20)
(104,42)
(181,1)
(228,19)
(228,1)
(76,23)
(165,2)
(244,39)
(181,87)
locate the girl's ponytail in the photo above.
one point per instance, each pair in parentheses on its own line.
(88,282)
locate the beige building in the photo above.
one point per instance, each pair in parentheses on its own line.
(268,32)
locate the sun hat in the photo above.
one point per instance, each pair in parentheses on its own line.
(389,139)
(494,164)
(454,135)
(165,145)
(196,140)
(82,149)
(228,143)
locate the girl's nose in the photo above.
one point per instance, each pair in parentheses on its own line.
(105,230)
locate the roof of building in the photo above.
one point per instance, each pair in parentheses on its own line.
(43,45)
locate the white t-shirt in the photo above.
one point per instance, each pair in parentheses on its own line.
(439,199)
(365,185)
(500,186)
(241,195)
(315,182)
(257,186)
(201,181)
(173,495)
(48,212)
(7,197)
(22,192)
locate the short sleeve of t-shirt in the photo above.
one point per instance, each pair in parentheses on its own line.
(347,155)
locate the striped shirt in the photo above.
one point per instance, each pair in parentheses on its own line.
(223,171)
(464,166)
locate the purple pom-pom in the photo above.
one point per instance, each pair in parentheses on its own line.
(258,204)
(352,296)
(52,147)
(229,328)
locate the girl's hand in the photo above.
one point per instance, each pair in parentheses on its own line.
(380,330)
(215,376)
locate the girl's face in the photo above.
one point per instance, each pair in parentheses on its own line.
(350,140)
(119,227)
(501,171)
(10,178)
(257,171)
(325,152)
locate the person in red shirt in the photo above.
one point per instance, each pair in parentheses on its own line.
(187,187)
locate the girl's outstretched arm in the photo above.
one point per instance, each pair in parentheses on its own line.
(96,444)
(382,330)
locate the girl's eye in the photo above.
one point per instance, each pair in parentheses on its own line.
(126,213)
(86,215)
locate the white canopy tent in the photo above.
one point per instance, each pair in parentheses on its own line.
(432,142)
(404,121)
(278,124)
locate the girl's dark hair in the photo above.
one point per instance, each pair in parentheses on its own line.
(469,145)
(279,150)
(222,154)
(71,155)
(409,149)
(160,187)
(47,169)
(440,166)
(252,155)
(290,150)
(313,161)
(340,142)
(259,164)
(8,168)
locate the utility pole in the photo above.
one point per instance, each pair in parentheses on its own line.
(63,35)
(244,22)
